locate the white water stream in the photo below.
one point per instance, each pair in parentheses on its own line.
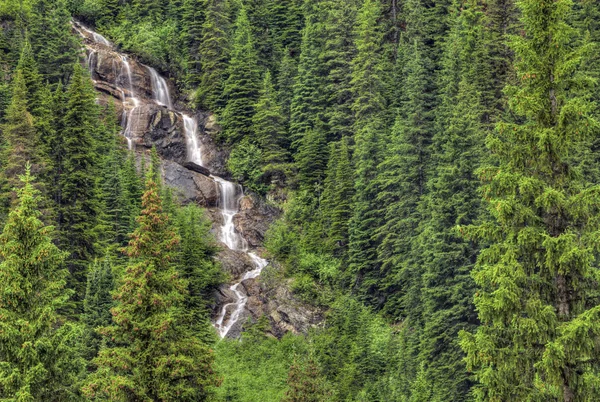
(230,193)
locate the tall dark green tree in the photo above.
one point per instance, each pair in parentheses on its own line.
(269,129)
(155,354)
(76,194)
(197,267)
(98,303)
(242,86)
(307,103)
(213,53)
(52,41)
(21,141)
(40,355)
(537,296)
(368,87)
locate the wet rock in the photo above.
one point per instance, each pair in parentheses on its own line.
(197,168)
(254,219)
(235,263)
(190,186)
(164,131)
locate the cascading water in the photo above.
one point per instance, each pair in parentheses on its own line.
(190,127)
(130,117)
(160,89)
(230,193)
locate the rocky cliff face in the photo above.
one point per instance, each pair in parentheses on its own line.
(149,119)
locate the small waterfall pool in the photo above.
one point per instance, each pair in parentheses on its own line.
(230,193)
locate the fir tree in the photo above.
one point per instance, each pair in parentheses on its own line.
(192,22)
(311,159)
(197,267)
(307,104)
(21,142)
(155,355)
(305,383)
(76,194)
(537,296)
(39,357)
(214,53)
(98,302)
(369,131)
(268,127)
(53,44)
(242,85)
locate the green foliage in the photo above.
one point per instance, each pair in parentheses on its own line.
(257,368)
(40,355)
(269,129)
(538,273)
(214,49)
(197,266)
(75,194)
(155,354)
(98,302)
(245,165)
(242,85)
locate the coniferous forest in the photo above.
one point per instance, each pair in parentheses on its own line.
(299,200)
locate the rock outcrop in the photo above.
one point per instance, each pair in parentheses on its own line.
(147,122)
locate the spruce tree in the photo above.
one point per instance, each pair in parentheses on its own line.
(242,86)
(76,194)
(155,354)
(98,302)
(52,41)
(305,383)
(537,296)
(337,196)
(39,357)
(192,22)
(311,159)
(197,267)
(214,53)
(21,142)
(335,58)
(268,127)
(368,75)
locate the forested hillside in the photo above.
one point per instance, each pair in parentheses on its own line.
(428,171)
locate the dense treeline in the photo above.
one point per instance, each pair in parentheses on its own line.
(436,161)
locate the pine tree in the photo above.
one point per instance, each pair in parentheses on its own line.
(335,58)
(192,22)
(155,355)
(337,196)
(307,104)
(76,194)
(197,267)
(53,44)
(31,76)
(214,53)
(287,22)
(368,88)
(311,159)
(98,302)
(305,383)
(242,85)
(268,127)
(39,358)
(20,138)
(285,88)
(537,280)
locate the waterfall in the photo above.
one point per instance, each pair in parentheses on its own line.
(238,305)
(190,126)
(130,118)
(160,89)
(230,193)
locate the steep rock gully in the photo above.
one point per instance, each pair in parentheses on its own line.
(135,100)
